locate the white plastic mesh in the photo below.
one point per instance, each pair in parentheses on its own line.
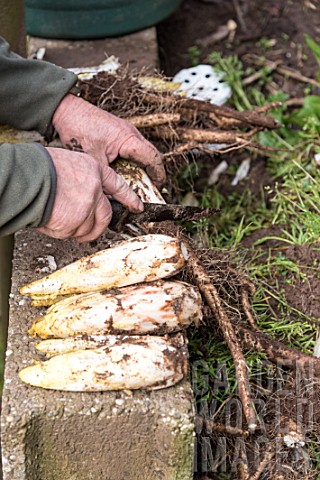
(203,83)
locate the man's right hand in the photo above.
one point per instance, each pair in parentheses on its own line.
(81,208)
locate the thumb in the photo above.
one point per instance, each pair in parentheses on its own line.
(139,150)
(114,185)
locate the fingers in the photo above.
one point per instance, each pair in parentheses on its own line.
(60,235)
(86,227)
(102,218)
(81,208)
(92,227)
(117,187)
(104,136)
(140,151)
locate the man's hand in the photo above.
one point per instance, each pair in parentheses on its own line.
(84,127)
(81,208)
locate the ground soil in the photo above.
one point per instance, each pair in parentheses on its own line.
(286,22)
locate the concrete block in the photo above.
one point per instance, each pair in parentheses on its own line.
(52,435)
(138,50)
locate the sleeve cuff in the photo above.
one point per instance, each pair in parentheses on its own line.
(52,195)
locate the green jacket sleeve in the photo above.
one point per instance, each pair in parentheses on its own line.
(27,186)
(30,90)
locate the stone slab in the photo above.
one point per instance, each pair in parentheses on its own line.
(138,50)
(52,435)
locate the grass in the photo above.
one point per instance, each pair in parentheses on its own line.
(292,205)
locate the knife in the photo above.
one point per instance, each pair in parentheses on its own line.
(157,212)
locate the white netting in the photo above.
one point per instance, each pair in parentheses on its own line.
(203,83)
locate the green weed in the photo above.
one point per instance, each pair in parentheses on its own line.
(194,55)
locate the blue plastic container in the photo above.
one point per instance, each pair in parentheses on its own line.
(72,19)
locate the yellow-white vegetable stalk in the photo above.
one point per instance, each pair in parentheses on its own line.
(158,307)
(139,181)
(158,84)
(130,363)
(57,346)
(141,259)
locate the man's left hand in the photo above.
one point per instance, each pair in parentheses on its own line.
(84,127)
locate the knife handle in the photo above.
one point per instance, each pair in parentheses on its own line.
(119,214)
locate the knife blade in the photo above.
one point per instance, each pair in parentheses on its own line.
(157,212)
